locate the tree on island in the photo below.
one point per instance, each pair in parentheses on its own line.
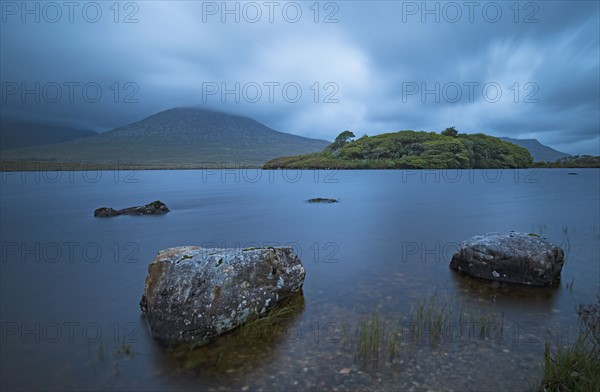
(451,131)
(344,138)
(341,140)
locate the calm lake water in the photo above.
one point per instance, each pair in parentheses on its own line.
(71,283)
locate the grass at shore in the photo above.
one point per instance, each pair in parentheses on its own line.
(576,367)
(573,368)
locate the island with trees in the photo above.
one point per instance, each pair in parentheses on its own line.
(411,150)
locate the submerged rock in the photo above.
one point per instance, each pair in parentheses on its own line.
(322,200)
(155,208)
(514,257)
(195,294)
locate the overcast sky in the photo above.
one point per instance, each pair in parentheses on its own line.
(525,70)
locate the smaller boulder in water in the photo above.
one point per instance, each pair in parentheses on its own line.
(514,257)
(155,208)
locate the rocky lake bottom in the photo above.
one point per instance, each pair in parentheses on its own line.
(380,308)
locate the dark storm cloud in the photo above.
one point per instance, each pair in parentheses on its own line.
(358,73)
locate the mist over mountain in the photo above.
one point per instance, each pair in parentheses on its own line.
(539,151)
(14,134)
(180,137)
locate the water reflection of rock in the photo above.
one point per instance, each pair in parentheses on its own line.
(245,350)
(507,293)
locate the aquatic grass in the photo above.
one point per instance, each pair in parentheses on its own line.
(572,368)
(395,340)
(345,332)
(488,320)
(566,246)
(429,322)
(274,322)
(124,350)
(370,334)
(570,285)
(119,354)
(575,367)
(101,353)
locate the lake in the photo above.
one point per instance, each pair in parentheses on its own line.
(71,283)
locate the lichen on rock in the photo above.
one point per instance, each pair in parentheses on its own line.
(194,294)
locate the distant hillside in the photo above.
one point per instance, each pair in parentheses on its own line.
(411,150)
(180,137)
(539,152)
(18,134)
(574,161)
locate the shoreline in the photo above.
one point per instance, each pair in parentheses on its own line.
(39,166)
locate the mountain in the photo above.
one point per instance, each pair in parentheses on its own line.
(411,150)
(179,137)
(19,134)
(539,152)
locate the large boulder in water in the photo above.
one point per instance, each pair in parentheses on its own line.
(514,257)
(194,294)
